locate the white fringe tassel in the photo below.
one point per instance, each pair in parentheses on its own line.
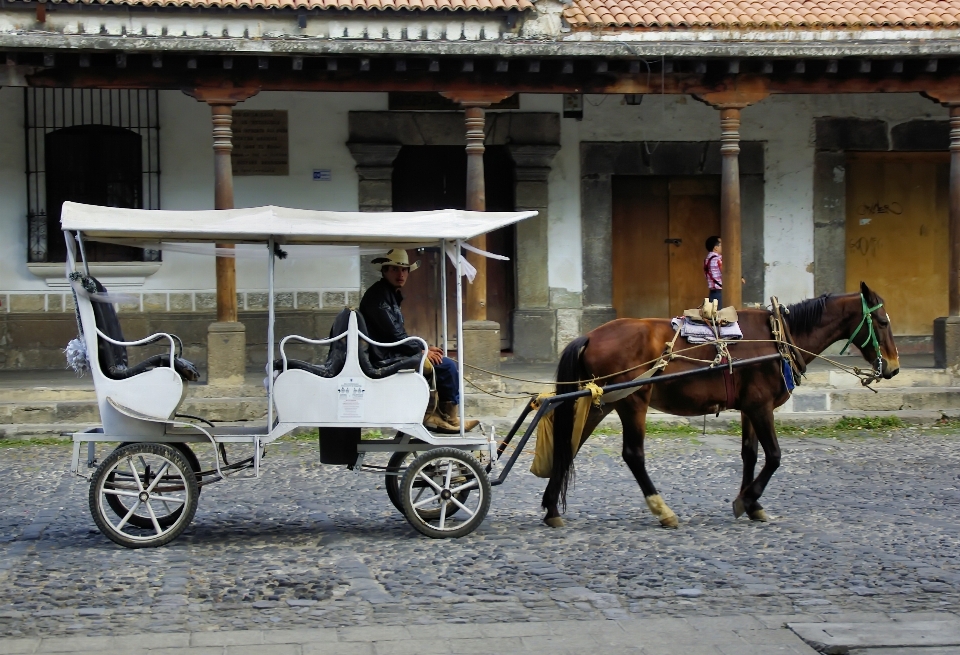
(76,352)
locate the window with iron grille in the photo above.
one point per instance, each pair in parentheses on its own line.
(96,146)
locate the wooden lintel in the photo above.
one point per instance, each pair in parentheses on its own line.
(232,86)
(222,94)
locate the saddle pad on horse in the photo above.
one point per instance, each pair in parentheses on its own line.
(697,332)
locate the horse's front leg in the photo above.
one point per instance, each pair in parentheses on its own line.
(633,415)
(748,451)
(551,495)
(762,427)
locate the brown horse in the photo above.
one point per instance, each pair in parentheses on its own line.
(757,389)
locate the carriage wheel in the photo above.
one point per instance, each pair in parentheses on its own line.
(167,513)
(395,468)
(153,481)
(434,481)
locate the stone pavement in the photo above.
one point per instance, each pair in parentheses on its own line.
(865,530)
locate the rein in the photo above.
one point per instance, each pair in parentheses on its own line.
(871,335)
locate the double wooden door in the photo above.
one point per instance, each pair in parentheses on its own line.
(660,227)
(897,234)
(435,177)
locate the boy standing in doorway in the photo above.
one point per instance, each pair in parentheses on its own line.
(713,269)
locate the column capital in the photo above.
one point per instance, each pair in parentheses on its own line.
(735,98)
(532,155)
(222,95)
(946,98)
(476,97)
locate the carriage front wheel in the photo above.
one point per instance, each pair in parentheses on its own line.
(432,487)
(153,482)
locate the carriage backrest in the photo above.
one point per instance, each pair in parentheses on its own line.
(110,356)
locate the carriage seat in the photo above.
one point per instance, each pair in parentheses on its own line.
(337,355)
(113,357)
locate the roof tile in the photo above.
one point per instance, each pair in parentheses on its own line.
(358,5)
(760,14)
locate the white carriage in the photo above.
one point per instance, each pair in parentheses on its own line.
(145,492)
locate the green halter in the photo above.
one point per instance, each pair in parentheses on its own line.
(871,334)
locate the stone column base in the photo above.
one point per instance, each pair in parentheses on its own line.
(946,342)
(535,335)
(594,317)
(481,347)
(226,354)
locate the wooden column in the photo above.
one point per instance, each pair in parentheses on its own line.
(730,103)
(730,206)
(476,296)
(223,199)
(954,230)
(474,104)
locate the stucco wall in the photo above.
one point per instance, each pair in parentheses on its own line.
(784,123)
(318,133)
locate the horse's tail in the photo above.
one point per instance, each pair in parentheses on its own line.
(568,373)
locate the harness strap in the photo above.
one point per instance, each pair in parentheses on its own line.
(871,334)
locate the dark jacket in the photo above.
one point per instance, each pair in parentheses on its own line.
(380,308)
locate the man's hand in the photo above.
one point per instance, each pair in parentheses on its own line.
(435,355)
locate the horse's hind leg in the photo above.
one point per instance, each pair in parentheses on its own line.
(633,415)
(750,492)
(748,453)
(551,495)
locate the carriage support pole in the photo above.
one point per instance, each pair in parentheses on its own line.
(271,316)
(463,398)
(548,404)
(443,295)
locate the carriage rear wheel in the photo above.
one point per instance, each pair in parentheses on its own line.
(153,481)
(166,513)
(432,487)
(395,469)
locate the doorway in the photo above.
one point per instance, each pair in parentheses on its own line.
(435,177)
(660,226)
(896,231)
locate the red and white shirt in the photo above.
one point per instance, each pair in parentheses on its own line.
(713,269)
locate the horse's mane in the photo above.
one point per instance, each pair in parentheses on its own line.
(805,315)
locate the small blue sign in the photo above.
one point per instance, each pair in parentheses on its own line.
(322,175)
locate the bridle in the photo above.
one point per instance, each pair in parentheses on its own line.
(871,334)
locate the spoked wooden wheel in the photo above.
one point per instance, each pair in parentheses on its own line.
(432,488)
(167,512)
(395,469)
(156,486)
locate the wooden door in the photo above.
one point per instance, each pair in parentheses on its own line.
(694,217)
(641,263)
(896,234)
(435,177)
(660,225)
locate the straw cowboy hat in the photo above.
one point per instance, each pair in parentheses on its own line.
(397,257)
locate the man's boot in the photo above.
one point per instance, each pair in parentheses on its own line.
(434,421)
(451,414)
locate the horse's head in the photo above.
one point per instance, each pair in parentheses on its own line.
(873,334)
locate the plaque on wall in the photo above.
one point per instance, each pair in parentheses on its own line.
(260,142)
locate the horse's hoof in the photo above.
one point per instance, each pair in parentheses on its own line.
(738,508)
(554,521)
(759,515)
(670,522)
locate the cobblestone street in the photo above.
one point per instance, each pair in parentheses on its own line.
(860,525)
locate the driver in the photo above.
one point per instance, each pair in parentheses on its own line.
(380,308)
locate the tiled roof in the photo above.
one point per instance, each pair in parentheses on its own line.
(763,14)
(359,5)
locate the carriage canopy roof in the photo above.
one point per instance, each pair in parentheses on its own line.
(292,226)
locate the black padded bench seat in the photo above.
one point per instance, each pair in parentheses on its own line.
(338,355)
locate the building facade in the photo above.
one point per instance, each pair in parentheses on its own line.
(605,122)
